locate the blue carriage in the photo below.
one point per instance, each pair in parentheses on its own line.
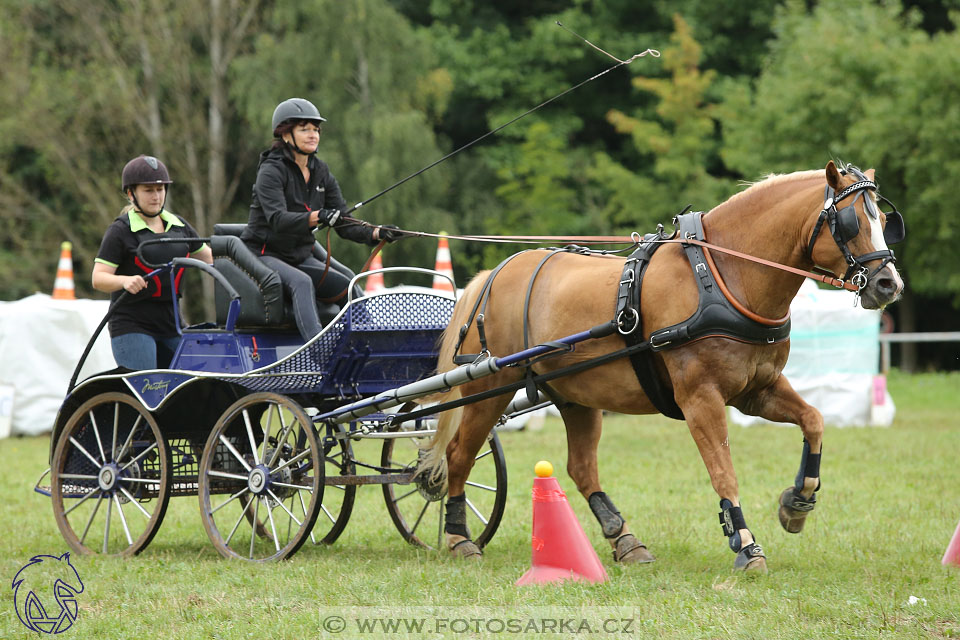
(242,419)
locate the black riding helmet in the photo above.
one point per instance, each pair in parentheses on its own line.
(296,109)
(144,170)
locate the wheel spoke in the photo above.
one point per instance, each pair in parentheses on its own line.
(85,452)
(297,458)
(256,519)
(419,518)
(303,507)
(77,476)
(116,424)
(243,512)
(476,513)
(236,454)
(482,486)
(253,441)
(92,515)
(266,432)
(90,494)
(126,442)
(284,507)
(229,500)
(484,454)
(406,495)
(140,480)
(135,503)
(273,527)
(137,459)
(96,433)
(298,487)
(281,439)
(224,474)
(123,520)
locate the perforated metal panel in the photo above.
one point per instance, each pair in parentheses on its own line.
(376,332)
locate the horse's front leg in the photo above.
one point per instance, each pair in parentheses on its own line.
(583,437)
(780,403)
(705,413)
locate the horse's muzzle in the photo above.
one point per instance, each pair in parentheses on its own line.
(882,289)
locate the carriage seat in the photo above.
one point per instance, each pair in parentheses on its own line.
(263,303)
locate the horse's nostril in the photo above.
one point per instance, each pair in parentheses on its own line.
(886,285)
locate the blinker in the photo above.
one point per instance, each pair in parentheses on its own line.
(895,230)
(847,224)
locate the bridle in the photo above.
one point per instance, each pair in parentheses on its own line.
(845,226)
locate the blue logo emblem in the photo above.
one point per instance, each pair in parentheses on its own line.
(45,593)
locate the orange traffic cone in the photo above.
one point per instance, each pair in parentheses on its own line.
(444,266)
(375,281)
(63,285)
(952,554)
(561,550)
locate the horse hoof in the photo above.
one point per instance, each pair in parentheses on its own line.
(465,548)
(794,509)
(629,550)
(751,559)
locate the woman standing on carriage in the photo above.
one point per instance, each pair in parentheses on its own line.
(143,328)
(294,194)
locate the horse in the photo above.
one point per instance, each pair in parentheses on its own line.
(786,219)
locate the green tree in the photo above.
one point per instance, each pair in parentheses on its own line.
(863,83)
(679,145)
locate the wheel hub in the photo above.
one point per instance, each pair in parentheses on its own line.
(108,477)
(259,480)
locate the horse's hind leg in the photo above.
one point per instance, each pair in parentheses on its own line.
(780,403)
(475,425)
(583,437)
(704,411)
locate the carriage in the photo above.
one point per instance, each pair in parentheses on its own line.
(241,419)
(705,324)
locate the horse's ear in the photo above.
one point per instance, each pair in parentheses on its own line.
(833,176)
(870,173)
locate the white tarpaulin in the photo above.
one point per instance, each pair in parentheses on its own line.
(41,340)
(834,359)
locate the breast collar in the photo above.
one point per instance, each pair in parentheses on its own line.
(718,313)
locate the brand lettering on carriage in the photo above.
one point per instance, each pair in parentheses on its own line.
(159,385)
(45,594)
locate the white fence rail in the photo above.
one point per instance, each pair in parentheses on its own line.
(929,336)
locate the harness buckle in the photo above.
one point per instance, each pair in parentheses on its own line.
(628,276)
(700,267)
(634,317)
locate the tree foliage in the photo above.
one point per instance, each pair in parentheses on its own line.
(768,86)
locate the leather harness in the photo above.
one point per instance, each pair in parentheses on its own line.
(715,316)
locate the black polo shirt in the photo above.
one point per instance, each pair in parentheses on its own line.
(151,310)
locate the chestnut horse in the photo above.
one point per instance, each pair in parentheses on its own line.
(781,219)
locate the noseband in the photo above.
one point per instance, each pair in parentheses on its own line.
(845,226)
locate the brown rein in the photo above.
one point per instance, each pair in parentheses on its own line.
(827,279)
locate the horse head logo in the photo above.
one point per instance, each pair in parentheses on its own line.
(41,582)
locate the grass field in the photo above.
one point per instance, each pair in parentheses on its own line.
(888,507)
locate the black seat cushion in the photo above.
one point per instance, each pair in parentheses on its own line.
(263,303)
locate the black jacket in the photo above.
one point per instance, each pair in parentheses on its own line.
(282,202)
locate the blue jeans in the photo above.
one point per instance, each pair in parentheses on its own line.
(141,351)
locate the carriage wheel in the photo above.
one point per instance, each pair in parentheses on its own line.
(338,499)
(110,480)
(261,479)
(417,508)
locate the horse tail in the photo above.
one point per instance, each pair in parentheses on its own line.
(433,458)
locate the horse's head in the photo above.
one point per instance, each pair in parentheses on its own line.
(852,234)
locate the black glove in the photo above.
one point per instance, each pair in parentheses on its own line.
(389,232)
(328,217)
